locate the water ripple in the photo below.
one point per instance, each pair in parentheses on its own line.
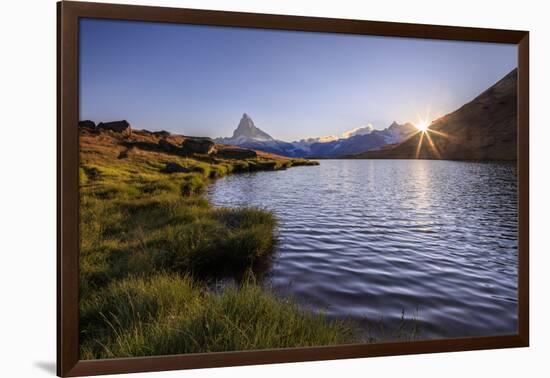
(369,239)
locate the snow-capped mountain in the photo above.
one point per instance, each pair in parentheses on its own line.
(358,131)
(354,141)
(361,139)
(247,130)
(247,135)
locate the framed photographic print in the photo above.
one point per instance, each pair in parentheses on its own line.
(241,188)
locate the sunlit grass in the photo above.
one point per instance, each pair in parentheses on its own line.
(169,314)
(151,242)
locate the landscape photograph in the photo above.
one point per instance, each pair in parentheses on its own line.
(251,189)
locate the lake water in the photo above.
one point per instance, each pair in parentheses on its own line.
(369,239)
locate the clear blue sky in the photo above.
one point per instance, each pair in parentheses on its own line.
(198,80)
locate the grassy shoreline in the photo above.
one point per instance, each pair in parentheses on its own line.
(150,241)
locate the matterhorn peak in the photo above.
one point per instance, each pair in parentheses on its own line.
(247,129)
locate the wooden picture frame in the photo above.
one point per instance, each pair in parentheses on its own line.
(69,13)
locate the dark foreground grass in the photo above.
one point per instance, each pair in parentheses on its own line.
(150,243)
(167,314)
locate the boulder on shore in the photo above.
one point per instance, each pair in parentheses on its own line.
(198,145)
(167,146)
(236,153)
(116,126)
(172,167)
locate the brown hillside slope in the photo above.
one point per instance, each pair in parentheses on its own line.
(164,146)
(483,129)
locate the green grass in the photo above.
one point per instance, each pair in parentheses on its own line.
(168,314)
(192,184)
(146,227)
(151,243)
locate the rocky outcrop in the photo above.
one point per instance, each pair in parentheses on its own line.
(189,146)
(198,145)
(236,153)
(87,124)
(116,126)
(165,142)
(174,158)
(167,146)
(161,133)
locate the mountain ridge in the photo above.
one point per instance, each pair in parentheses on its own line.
(484,128)
(248,135)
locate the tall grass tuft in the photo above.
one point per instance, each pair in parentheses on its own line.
(167,314)
(192,185)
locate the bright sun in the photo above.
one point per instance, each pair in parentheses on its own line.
(422,126)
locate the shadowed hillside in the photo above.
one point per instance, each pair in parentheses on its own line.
(483,129)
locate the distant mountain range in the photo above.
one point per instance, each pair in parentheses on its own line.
(483,129)
(358,140)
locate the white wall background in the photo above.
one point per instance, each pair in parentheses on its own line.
(27,186)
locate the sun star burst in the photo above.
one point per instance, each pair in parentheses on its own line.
(422,126)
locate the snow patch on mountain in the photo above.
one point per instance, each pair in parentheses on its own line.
(358,131)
